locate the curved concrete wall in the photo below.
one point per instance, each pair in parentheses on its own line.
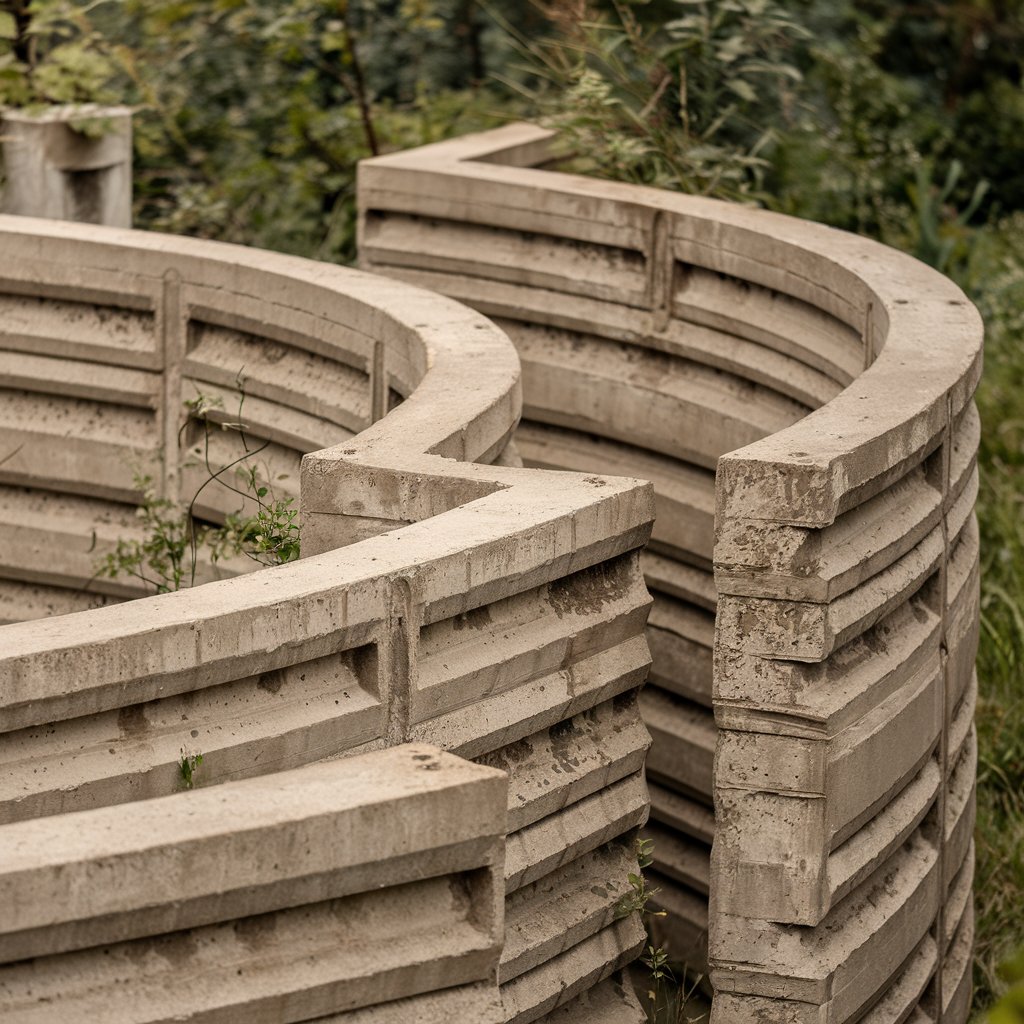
(494,612)
(801,400)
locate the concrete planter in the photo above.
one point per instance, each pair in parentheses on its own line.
(54,171)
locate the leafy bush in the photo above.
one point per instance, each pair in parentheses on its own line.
(51,52)
(857,136)
(995,280)
(689,102)
(966,60)
(256,113)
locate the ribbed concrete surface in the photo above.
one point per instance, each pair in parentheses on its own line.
(801,400)
(492,611)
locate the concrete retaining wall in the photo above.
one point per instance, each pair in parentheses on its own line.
(801,400)
(491,611)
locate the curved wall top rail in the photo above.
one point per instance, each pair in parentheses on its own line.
(801,399)
(491,611)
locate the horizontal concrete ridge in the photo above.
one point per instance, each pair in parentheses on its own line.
(100,876)
(801,400)
(431,715)
(253,900)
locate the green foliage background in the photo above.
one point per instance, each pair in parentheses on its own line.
(902,120)
(257,113)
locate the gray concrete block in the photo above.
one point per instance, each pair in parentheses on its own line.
(54,170)
(250,900)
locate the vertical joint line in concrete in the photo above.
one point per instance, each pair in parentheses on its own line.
(659,272)
(869,335)
(401,640)
(378,384)
(172,355)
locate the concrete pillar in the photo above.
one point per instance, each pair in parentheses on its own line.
(54,171)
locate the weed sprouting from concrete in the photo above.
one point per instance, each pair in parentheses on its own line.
(635,901)
(667,1000)
(188,765)
(166,556)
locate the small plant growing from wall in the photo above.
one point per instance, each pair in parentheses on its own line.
(188,765)
(160,558)
(667,1000)
(166,556)
(635,901)
(270,535)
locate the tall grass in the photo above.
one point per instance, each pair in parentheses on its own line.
(996,281)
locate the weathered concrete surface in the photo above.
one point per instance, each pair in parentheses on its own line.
(310,892)
(53,170)
(835,640)
(94,877)
(489,610)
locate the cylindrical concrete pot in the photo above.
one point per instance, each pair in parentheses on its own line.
(52,170)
